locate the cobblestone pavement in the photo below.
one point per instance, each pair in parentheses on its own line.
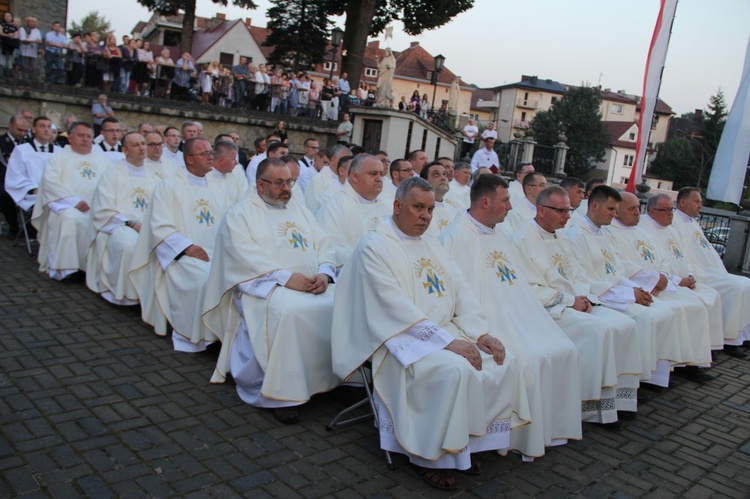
(94,404)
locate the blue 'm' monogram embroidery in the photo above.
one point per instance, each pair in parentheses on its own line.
(434,284)
(506,274)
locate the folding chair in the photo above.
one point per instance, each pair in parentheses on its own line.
(24,218)
(373,413)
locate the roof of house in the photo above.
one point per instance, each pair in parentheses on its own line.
(535,83)
(204,39)
(481,94)
(259,35)
(616,130)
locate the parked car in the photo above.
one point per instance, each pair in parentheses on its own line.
(718,237)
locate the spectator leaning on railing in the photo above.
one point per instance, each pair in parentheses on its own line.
(31,43)
(54,43)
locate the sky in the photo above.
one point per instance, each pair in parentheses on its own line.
(576,42)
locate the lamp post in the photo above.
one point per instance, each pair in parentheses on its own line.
(337,35)
(439,61)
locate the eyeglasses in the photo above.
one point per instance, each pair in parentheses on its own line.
(561,211)
(279,183)
(155,144)
(665,210)
(406,170)
(205,154)
(536,185)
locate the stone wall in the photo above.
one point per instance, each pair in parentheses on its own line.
(47,11)
(57,102)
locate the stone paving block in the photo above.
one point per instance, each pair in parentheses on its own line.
(20,480)
(93,486)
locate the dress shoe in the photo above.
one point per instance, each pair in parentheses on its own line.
(616,426)
(734,351)
(286,415)
(643,398)
(693,373)
(626,415)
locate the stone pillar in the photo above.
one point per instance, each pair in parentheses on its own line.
(561,152)
(528,149)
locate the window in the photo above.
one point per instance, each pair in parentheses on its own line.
(371,72)
(327,66)
(227,60)
(523,116)
(554,99)
(632,136)
(654,123)
(627,160)
(624,180)
(616,108)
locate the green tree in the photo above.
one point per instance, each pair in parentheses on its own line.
(92,22)
(370,17)
(714,119)
(170,8)
(678,159)
(299,32)
(577,117)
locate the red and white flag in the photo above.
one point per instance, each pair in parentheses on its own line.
(657,56)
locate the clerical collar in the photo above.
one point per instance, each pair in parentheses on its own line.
(439,204)
(196,181)
(597,231)
(483,229)
(529,204)
(333,174)
(657,224)
(544,232)
(403,236)
(684,216)
(218,174)
(135,171)
(620,225)
(363,200)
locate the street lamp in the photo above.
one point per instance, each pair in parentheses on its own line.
(337,35)
(439,61)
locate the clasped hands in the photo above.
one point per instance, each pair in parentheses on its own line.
(488,344)
(316,284)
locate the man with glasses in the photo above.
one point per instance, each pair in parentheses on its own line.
(120,202)
(525,209)
(355,210)
(307,163)
(398,171)
(700,259)
(155,159)
(172,146)
(175,246)
(275,325)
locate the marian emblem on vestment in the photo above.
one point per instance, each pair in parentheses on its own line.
(500,263)
(645,250)
(140,198)
(372,223)
(561,264)
(701,239)
(443,223)
(86,170)
(203,212)
(672,245)
(431,272)
(609,262)
(295,233)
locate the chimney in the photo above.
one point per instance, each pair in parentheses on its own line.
(248,21)
(221,16)
(608,90)
(413,44)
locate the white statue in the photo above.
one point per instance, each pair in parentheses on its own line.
(386,69)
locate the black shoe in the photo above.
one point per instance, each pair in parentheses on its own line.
(653,388)
(286,415)
(626,415)
(693,373)
(643,398)
(616,426)
(734,351)
(12,235)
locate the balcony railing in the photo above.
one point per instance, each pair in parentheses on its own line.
(528,103)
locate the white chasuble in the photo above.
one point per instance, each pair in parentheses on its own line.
(710,270)
(317,186)
(347,217)
(234,182)
(675,263)
(458,196)
(65,233)
(496,274)
(123,194)
(633,245)
(400,301)
(523,211)
(442,216)
(613,281)
(185,210)
(276,341)
(607,341)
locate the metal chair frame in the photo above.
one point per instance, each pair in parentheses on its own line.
(23,220)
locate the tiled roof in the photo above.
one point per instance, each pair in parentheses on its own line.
(536,83)
(204,39)
(259,35)
(616,130)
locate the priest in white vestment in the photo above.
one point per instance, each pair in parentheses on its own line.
(709,269)
(402,303)
(624,287)
(635,246)
(583,207)
(576,190)
(355,210)
(525,209)
(494,271)
(458,195)
(324,177)
(226,172)
(172,152)
(118,207)
(275,149)
(657,226)
(62,212)
(268,297)
(26,164)
(444,214)
(607,341)
(398,171)
(342,171)
(173,254)
(162,166)
(516,187)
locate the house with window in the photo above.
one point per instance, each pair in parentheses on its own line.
(619,157)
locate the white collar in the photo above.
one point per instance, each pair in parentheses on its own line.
(401,233)
(483,229)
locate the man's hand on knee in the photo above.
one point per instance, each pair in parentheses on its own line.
(492,346)
(82,206)
(467,351)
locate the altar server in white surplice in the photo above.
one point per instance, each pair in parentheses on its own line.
(26,164)
(633,245)
(324,177)
(610,383)
(709,269)
(458,195)
(624,287)
(355,210)
(119,205)
(525,209)
(444,214)
(111,147)
(444,385)
(62,212)
(657,225)
(494,271)
(171,261)
(226,173)
(268,297)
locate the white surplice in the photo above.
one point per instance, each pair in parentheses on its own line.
(317,186)
(633,245)
(677,266)
(185,210)
(25,168)
(123,194)
(65,233)
(347,217)
(276,342)
(709,269)
(400,301)
(496,274)
(607,341)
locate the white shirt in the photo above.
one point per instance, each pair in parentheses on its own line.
(470,129)
(484,159)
